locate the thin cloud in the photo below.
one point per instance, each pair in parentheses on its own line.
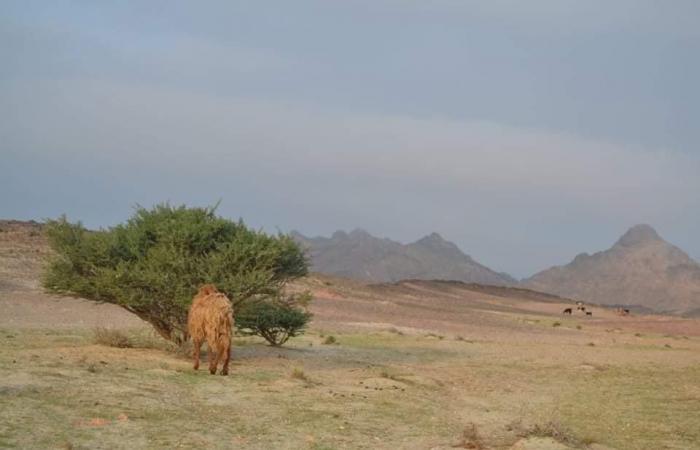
(167,130)
(92,118)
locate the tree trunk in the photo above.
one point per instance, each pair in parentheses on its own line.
(162,328)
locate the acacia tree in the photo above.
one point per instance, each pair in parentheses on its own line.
(154,263)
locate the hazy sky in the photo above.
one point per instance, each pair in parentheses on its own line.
(525,132)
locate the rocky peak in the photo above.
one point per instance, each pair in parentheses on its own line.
(340,234)
(359,233)
(640,269)
(638,234)
(432,239)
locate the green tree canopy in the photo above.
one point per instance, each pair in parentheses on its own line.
(154,263)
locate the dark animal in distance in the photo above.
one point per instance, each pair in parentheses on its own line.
(622,311)
(567,311)
(210,319)
(589,313)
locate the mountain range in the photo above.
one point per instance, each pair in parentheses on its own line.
(639,269)
(360,255)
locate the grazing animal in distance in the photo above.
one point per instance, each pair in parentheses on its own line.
(589,313)
(210,319)
(623,312)
(567,311)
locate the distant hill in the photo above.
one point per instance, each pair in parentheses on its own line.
(360,255)
(640,269)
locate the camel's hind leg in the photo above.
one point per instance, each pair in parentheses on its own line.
(227,357)
(197,347)
(214,356)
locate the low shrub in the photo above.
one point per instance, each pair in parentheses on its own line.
(274,320)
(111,337)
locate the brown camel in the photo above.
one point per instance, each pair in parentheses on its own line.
(210,319)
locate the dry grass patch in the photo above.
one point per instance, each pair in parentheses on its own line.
(141,339)
(552,429)
(470,438)
(299,374)
(390,375)
(436,336)
(395,330)
(112,338)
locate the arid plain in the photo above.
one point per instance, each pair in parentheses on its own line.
(416,365)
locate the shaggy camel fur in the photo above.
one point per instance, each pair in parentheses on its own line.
(211,318)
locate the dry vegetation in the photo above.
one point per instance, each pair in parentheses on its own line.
(112,338)
(502,377)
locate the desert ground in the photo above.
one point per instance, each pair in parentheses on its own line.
(413,365)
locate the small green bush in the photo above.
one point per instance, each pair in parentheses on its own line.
(274,320)
(330,340)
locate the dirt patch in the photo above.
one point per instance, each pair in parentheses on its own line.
(32,309)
